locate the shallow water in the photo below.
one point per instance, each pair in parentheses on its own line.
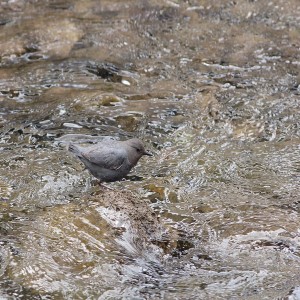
(212,88)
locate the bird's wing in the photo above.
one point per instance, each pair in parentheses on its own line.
(107,158)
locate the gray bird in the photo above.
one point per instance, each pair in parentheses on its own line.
(110,160)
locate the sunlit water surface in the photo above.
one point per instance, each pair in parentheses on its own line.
(212,88)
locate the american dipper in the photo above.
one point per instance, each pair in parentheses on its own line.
(110,160)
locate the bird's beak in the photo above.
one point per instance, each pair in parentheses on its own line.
(148,153)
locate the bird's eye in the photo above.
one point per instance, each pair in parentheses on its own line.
(138,150)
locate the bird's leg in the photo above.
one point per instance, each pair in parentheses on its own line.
(105,186)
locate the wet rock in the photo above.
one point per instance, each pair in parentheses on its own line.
(106,71)
(203,208)
(137,212)
(53,38)
(108,100)
(157,192)
(129,122)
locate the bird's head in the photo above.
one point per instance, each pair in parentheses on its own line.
(135,150)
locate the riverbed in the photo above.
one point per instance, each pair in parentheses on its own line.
(213,90)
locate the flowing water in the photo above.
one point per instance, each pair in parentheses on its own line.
(212,88)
